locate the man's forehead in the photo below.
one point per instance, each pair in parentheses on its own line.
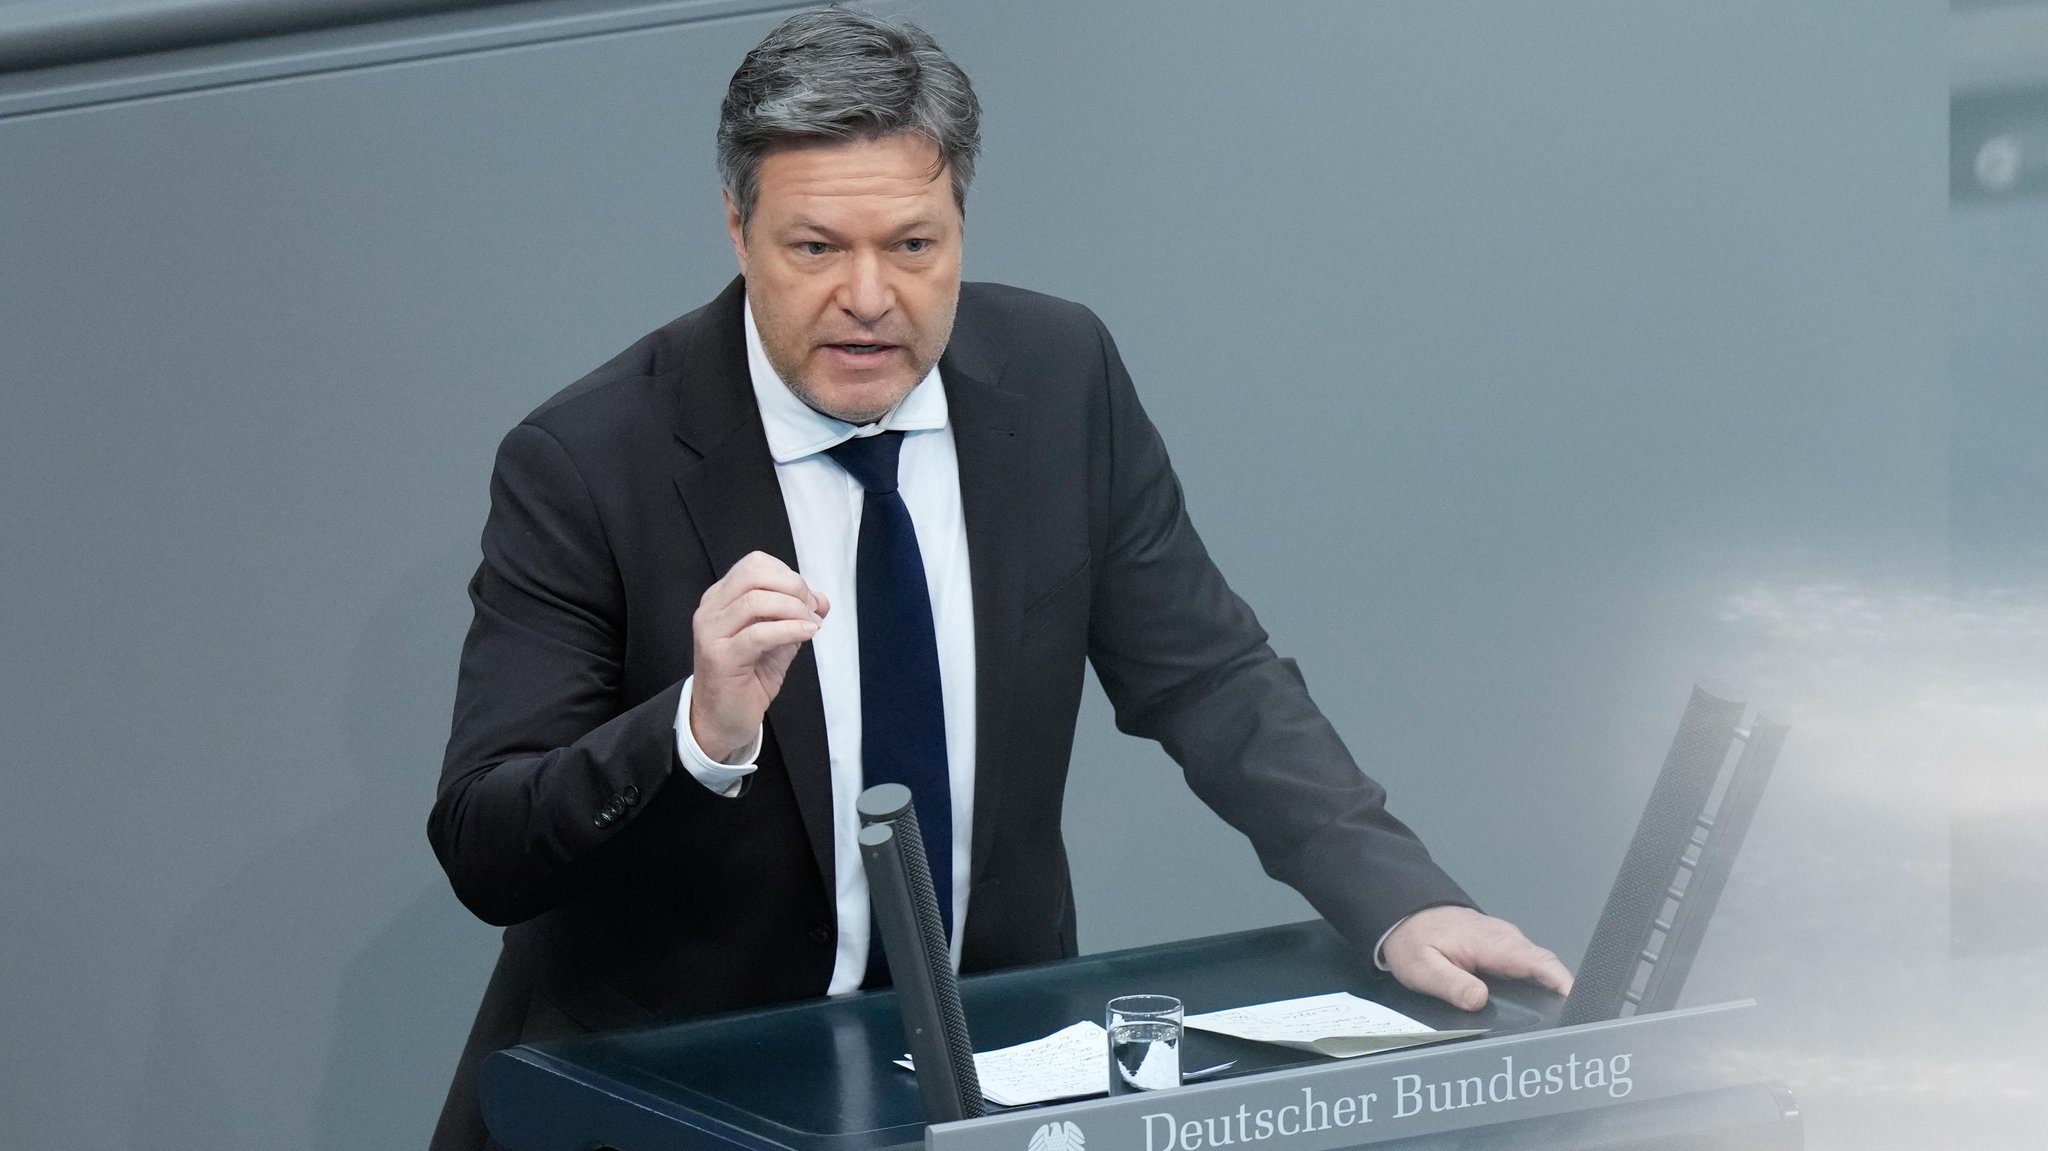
(906,165)
(906,143)
(839,186)
(830,224)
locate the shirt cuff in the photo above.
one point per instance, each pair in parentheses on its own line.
(1379,950)
(726,779)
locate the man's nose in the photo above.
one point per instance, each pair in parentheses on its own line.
(865,293)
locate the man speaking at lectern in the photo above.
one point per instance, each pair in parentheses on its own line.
(855,521)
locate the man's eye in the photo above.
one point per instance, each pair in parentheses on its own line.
(813,247)
(916,246)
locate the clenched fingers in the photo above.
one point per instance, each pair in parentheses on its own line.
(761,572)
(755,606)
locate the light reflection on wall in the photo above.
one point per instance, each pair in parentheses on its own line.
(1891,909)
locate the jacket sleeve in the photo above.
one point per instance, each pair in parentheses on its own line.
(543,769)
(1185,662)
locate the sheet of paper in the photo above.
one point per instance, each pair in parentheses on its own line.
(1069,1063)
(1339,1024)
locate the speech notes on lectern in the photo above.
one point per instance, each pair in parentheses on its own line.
(1073,1062)
(1340,1025)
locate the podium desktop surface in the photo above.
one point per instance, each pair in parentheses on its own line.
(817,1075)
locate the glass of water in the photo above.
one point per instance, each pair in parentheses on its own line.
(1144,1043)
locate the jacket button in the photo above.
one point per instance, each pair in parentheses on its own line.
(604,819)
(630,796)
(821,934)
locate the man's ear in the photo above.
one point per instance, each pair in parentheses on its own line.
(736,230)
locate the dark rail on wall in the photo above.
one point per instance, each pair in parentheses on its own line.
(41,37)
(55,57)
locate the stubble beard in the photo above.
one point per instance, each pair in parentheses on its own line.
(792,378)
(794,381)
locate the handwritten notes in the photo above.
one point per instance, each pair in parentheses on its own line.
(1069,1063)
(1340,1025)
(1074,1061)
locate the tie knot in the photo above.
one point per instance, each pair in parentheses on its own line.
(870,459)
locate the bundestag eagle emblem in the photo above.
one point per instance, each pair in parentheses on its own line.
(1058,1136)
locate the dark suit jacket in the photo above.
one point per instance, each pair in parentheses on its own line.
(632,893)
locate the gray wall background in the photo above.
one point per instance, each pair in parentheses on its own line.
(1501,347)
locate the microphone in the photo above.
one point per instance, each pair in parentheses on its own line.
(920,961)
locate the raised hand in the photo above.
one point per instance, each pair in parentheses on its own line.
(747,628)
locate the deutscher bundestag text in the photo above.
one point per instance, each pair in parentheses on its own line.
(1411,1095)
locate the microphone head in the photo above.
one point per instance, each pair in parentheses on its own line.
(884,801)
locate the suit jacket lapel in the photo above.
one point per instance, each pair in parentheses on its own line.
(987,422)
(727,482)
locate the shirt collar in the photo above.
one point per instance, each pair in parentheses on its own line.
(795,429)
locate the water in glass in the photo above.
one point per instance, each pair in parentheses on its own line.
(1144,1056)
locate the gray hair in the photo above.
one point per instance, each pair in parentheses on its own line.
(841,74)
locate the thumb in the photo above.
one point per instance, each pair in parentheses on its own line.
(1429,972)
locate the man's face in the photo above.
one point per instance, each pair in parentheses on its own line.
(852,262)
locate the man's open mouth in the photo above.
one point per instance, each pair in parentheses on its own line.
(864,349)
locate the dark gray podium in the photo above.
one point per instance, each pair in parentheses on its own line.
(816,1076)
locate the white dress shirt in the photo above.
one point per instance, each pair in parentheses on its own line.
(824,505)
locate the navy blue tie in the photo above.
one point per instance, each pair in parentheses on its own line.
(902,713)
